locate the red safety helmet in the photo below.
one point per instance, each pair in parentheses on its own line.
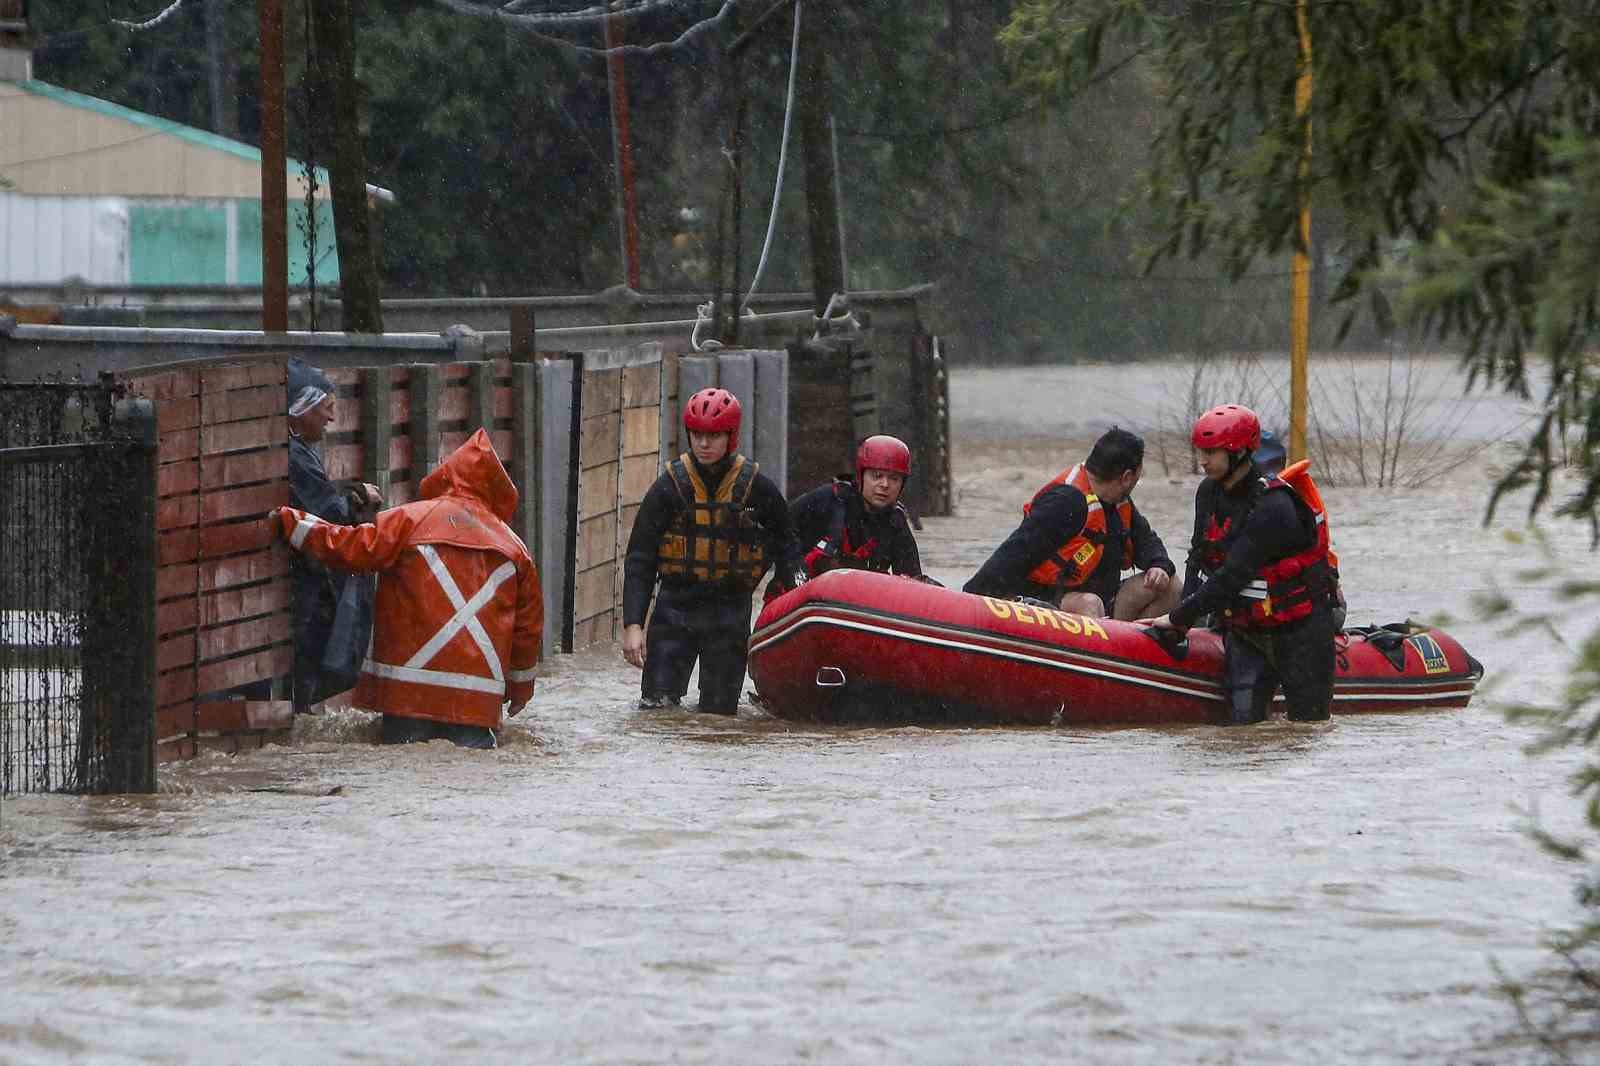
(1230,426)
(883,452)
(712,411)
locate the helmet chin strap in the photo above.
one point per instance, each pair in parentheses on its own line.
(1235,461)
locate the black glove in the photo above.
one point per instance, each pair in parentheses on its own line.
(1032,602)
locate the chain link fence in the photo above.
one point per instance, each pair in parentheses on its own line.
(76,589)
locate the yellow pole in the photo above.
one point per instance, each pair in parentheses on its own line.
(1300,272)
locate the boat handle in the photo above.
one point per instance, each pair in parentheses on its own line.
(830,677)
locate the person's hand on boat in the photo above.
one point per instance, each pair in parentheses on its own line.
(1163,622)
(633,645)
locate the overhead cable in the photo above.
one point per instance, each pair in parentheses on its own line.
(525,24)
(150,23)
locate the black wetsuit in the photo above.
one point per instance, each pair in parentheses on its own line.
(694,619)
(1258,528)
(868,540)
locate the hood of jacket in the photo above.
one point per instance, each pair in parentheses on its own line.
(475,471)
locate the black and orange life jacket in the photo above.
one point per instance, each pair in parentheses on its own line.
(1071,564)
(834,550)
(714,538)
(1285,590)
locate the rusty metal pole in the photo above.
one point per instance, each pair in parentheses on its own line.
(1300,270)
(274,173)
(622,152)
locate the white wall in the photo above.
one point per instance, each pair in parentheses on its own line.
(46,239)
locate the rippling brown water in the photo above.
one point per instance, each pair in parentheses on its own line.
(619,886)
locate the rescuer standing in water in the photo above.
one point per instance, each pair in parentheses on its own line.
(709,529)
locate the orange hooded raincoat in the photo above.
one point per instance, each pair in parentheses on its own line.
(459,614)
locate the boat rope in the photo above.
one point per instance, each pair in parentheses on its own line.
(783,154)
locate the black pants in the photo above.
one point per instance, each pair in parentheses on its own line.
(1298,656)
(398,729)
(690,624)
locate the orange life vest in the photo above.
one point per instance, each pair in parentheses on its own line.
(1071,564)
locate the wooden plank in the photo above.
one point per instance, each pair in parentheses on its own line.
(641,431)
(178,445)
(175,721)
(626,516)
(638,474)
(237,716)
(253,501)
(173,384)
(449,442)
(641,385)
(234,537)
(239,405)
(597,541)
(501,441)
(217,379)
(377,432)
(343,461)
(230,605)
(176,511)
(601,629)
(347,377)
(346,414)
(602,392)
(594,591)
(217,574)
(597,491)
(228,640)
(399,456)
(244,468)
(176,479)
(454,373)
(175,686)
(257,666)
(176,580)
(399,397)
(180,412)
(241,436)
(598,440)
(453,403)
(175,652)
(177,546)
(177,615)
(401,492)
(503,405)
(175,749)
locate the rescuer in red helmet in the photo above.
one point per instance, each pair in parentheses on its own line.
(1259,565)
(1078,535)
(708,530)
(859,523)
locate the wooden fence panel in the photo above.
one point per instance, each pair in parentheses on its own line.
(222,612)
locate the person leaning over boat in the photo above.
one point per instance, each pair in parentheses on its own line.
(459,614)
(1259,565)
(860,523)
(1078,533)
(318,591)
(708,530)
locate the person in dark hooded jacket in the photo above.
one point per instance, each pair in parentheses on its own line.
(318,591)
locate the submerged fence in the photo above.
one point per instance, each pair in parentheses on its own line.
(76,488)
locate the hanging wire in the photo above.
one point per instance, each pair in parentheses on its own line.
(526,23)
(783,154)
(153,22)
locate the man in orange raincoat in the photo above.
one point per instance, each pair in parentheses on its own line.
(459,613)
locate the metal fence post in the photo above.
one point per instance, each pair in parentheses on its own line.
(131,759)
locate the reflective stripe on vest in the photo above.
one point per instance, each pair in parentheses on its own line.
(1071,564)
(713,538)
(1286,590)
(415,670)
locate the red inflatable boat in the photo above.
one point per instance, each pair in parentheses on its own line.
(864,648)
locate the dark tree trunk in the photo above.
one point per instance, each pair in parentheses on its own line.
(338,97)
(816,144)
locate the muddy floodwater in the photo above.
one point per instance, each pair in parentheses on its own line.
(618,886)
